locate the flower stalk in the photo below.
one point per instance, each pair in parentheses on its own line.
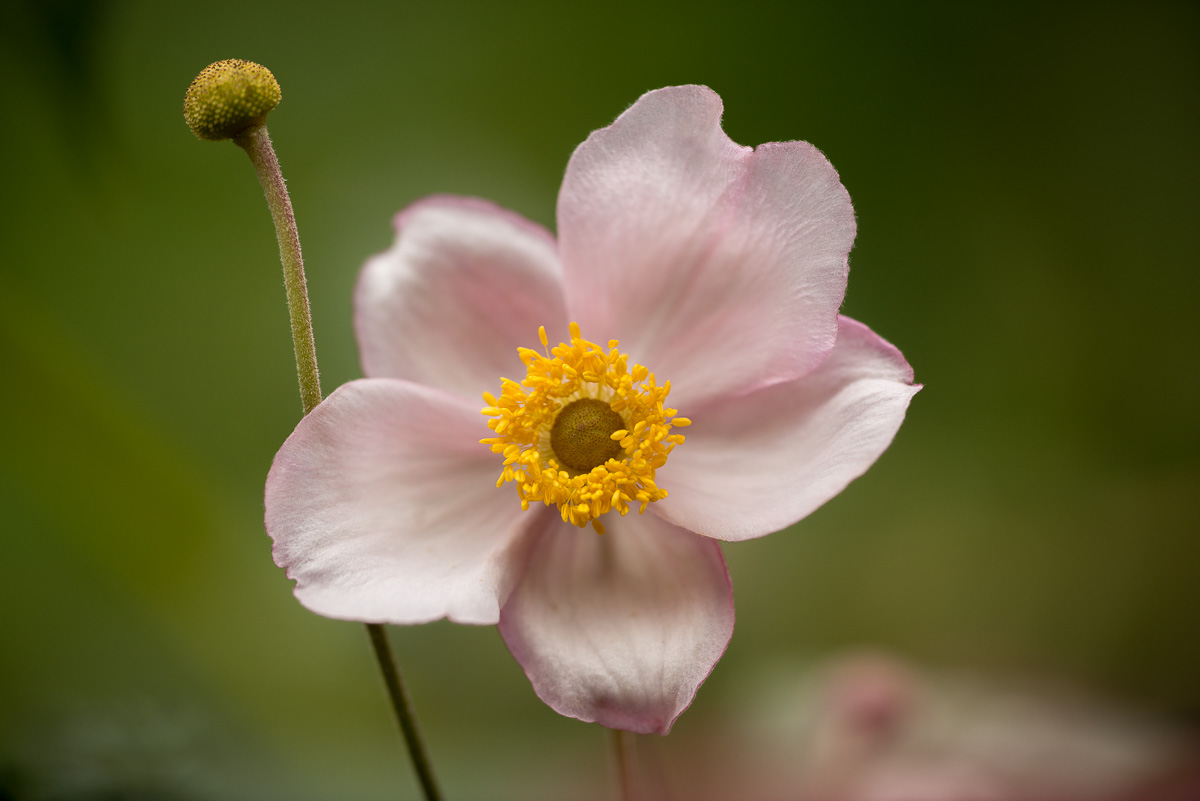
(626,757)
(257,145)
(230,100)
(402,703)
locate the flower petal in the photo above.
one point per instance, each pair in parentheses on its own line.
(755,464)
(620,629)
(384,508)
(718,267)
(464,285)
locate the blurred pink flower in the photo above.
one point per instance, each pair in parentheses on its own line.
(717,266)
(869,726)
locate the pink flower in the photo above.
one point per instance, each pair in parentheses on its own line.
(718,267)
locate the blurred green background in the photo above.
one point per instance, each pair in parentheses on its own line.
(1025,178)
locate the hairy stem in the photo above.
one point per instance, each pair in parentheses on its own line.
(402,704)
(257,145)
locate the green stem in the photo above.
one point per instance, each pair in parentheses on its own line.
(257,145)
(402,703)
(623,750)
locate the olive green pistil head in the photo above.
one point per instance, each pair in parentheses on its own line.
(581,436)
(228,97)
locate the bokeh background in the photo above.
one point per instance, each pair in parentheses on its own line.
(1025,178)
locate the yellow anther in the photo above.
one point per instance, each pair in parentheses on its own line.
(582,430)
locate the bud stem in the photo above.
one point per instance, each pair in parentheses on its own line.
(257,145)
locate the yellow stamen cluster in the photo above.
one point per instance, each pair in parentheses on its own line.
(524,415)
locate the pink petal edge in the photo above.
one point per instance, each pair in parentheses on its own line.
(464,285)
(620,629)
(383,508)
(719,267)
(755,464)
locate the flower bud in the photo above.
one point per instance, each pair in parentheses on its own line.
(228,97)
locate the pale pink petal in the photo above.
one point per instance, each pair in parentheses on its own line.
(718,267)
(464,285)
(384,508)
(755,464)
(620,629)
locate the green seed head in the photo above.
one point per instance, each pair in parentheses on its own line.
(228,97)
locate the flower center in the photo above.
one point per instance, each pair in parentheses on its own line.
(582,431)
(581,436)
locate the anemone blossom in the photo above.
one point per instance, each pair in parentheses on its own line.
(581,511)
